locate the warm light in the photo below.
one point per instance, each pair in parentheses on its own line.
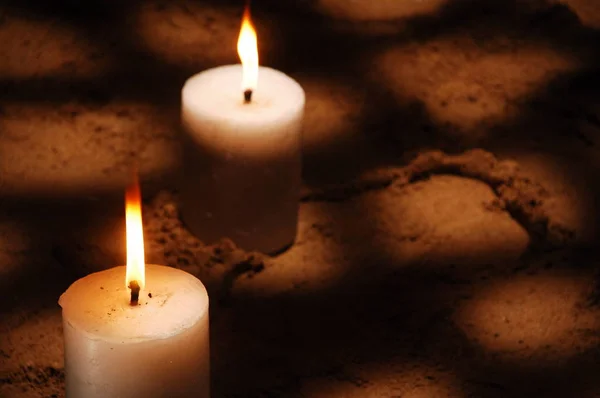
(248,51)
(136,266)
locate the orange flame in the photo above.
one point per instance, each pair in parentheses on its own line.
(136,266)
(247,47)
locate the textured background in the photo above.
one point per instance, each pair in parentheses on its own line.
(448,220)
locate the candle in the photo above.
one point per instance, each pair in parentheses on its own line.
(242,152)
(136,331)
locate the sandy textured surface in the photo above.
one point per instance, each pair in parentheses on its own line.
(446,245)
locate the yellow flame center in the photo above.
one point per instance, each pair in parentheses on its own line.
(247,47)
(136,266)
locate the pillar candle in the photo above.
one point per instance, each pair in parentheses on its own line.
(157,348)
(242,160)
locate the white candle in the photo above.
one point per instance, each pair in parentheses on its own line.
(136,331)
(158,348)
(242,159)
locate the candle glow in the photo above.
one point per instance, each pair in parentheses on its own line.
(242,160)
(247,47)
(154,345)
(136,266)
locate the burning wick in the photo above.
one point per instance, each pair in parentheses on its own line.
(248,96)
(247,47)
(135,292)
(135,275)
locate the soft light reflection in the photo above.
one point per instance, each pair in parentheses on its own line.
(537,313)
(380,10)
(34,48)
(387,380)
(83,149)
(467,86)
(444,221)
(188,36)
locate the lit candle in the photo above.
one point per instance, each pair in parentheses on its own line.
(242,152)
(136,331)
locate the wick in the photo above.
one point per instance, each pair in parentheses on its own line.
(135,292)
(248,96)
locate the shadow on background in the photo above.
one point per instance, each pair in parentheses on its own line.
(400,322)
(298,40)
(400,314)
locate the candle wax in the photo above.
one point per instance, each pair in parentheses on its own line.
(159,348)
(242,161)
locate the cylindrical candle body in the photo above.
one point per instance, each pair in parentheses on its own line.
(157,349)
(242,161)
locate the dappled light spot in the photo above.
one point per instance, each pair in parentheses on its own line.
(571,201)
(465,84)
(386,380)
(447,220)
(47,48)
(587,11)
(68,150)
(378,10)
(532,315)
(193,35)
(464,104)
(42,334)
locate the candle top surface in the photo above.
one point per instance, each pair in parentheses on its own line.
(217,94)
(171,302)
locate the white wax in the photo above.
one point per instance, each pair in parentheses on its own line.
(242,161)
(159,348)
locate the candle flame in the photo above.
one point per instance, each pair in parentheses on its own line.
(248,51)
(136,266)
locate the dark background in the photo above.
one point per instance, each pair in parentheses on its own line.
(457,273)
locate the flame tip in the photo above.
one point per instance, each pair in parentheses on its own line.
(248,51)
(135,277)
